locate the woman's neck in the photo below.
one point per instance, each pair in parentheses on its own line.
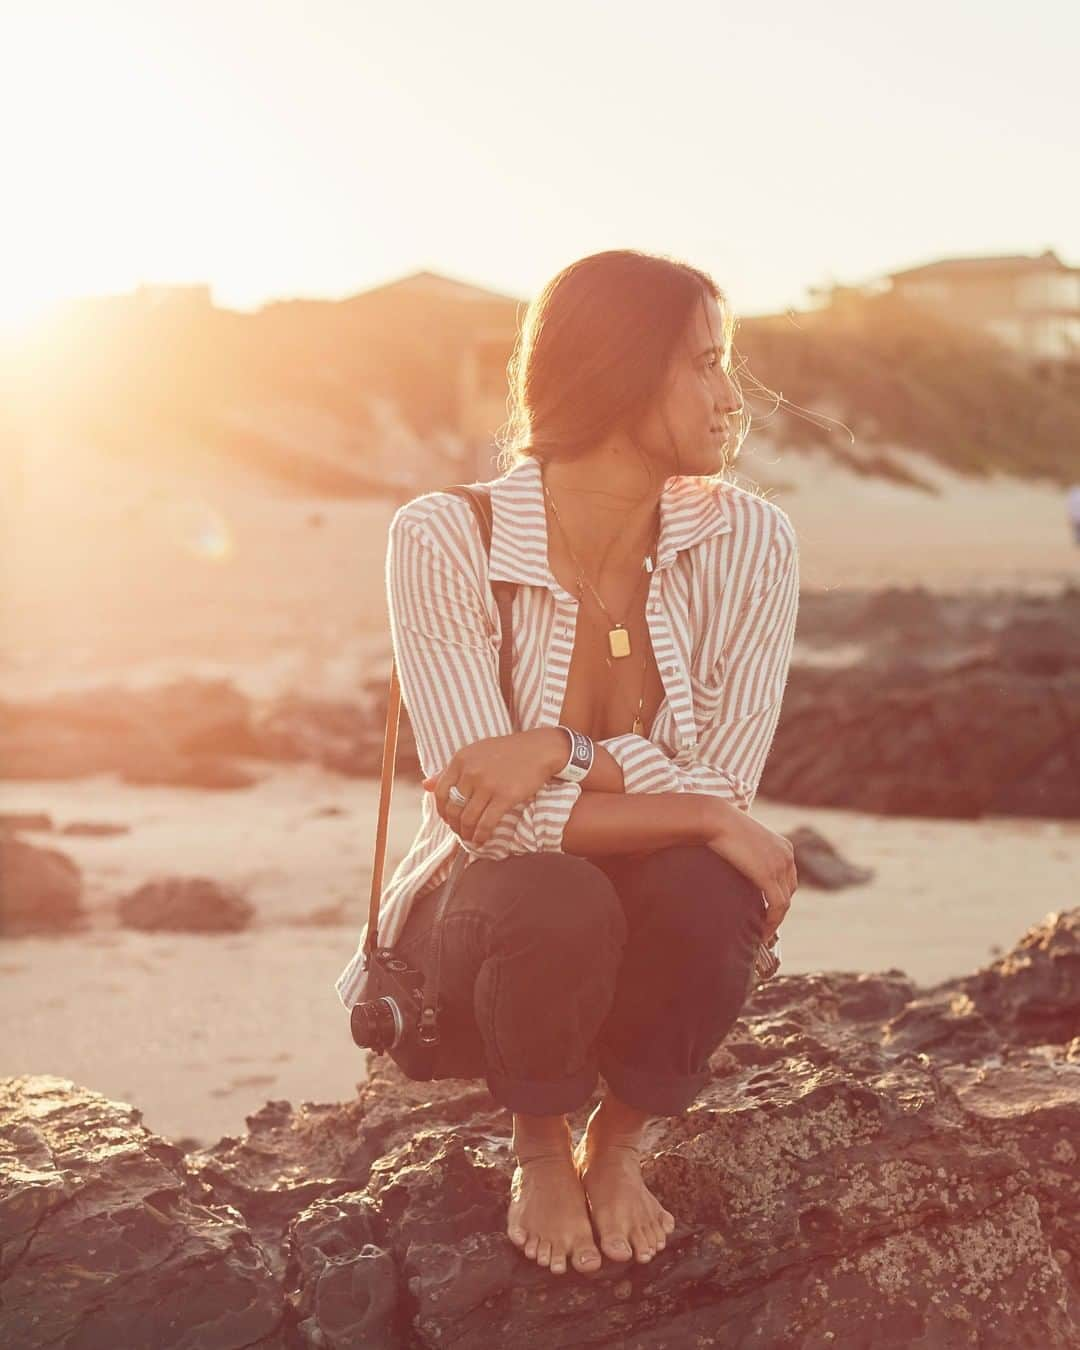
(608,510)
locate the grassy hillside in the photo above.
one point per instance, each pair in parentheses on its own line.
(897,374)
(347,395)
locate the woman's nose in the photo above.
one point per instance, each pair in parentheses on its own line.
(730,403)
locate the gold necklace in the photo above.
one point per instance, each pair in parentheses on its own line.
(618,636)
(638,727)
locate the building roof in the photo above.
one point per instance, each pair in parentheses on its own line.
(1047,261)
(437,287)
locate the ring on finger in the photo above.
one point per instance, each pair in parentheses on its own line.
(457,797)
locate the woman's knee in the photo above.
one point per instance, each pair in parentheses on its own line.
(565,897)
(700,894)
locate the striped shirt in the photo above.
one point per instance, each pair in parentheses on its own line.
(721,610)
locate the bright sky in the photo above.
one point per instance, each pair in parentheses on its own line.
(318,147)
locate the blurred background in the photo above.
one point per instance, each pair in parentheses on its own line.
(263,270)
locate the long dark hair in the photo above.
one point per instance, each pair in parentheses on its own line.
(594,350)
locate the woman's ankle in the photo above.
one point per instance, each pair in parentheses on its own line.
(540,1136)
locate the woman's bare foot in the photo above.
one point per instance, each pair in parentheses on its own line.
(549,1218)
(624,1210)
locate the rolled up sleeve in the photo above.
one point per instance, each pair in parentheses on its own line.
(447,656)
(751,675)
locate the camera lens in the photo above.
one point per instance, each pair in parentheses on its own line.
(376,1025)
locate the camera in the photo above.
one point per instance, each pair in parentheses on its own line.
(393,1021)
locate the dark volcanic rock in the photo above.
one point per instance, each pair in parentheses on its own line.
(341,736)
(819,864)
(870,1165)
(40,888)
(13,821)
(180,733)
(960,706)
(94,829)
(964,743)
(185,905)
(108,1241)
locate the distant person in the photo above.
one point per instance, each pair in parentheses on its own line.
(618,888)
(1073,508)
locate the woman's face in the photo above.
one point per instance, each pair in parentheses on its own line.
(695,424)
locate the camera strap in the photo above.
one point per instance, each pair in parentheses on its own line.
(479,497)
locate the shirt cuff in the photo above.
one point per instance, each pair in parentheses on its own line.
(535,826)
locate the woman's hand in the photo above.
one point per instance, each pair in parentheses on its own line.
(496,774)
(762,855)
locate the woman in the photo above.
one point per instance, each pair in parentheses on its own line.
(619,885)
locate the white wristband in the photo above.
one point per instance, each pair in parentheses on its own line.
(581,756)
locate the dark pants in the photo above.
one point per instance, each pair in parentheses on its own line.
(556,967)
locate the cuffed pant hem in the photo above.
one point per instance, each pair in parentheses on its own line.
(658,1094)
(540,1097)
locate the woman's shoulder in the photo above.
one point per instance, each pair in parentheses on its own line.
(441,515)
(749,512)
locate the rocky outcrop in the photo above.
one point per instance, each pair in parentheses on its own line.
(185,905)
(957,708)
(870,1165)
(40,888)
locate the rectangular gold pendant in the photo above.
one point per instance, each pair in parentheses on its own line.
(619,642)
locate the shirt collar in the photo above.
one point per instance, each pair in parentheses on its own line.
(690,511)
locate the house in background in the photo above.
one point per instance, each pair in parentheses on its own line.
(1030,303)
(446,346)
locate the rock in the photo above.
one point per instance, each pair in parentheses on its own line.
(179,733)
(40,889)
(1039,644)
(818,863)
(345,737)
(108,1240)
(833,1184)
(197,771)
(92,829)
(956,743)
(13,821)
(185,905)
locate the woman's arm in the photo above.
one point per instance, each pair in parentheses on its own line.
(604,822)
(447,662)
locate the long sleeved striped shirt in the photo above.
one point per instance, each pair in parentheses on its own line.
(721,611)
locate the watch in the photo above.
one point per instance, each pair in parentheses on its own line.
(581,756)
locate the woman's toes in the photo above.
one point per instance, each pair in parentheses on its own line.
(531,1246)
(543,1254)
(516,1236)
(643,1244)
(558,1261)
(667,1222)
(616,1247)
(586,1258)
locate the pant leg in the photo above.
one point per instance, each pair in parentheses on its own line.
(694,923)
(531,949)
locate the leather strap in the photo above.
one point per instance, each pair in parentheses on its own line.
(479,497)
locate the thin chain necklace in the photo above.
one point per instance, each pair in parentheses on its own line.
(618,636)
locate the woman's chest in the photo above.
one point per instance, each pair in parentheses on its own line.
(612,682)
(609,695)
